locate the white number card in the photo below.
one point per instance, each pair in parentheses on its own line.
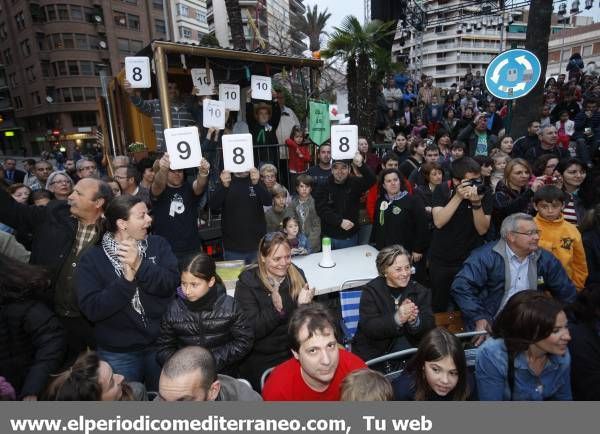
(204,83)
(137,71)
(344,142)
(261,87)
(213,114)
(237,152)
(183,146)
(230,95)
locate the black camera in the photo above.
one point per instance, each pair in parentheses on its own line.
(481,187)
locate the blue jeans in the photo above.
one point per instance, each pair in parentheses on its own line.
(364,234)
(247,257)
(140,366)
(337,243)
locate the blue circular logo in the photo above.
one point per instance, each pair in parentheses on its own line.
(513,74)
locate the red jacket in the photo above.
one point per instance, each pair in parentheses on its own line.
(299,156)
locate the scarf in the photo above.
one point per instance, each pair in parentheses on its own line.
(386,203)
(275,295)
(110,247)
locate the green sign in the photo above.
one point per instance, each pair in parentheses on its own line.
(9,134)
(318,122)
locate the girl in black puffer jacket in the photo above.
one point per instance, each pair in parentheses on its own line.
(32,339)
(204,315)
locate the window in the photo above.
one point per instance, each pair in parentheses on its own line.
(86,67)
(50,13)
(56,41)
(3,34)
(183,10)
(62,68)
(37,13)
(63,12)
(133,22)
(157,4)
(68,40)
(20,20)
(200,16)
(185,32)
(18,102)
(66,94)
(120,19)
(89,14)
(159,26)
(93,42)
(25,48)
(76,13)
(89,93)
(41,41)
(84,119)
(73,67)
(130,2)
(587,50)
(35,98)
(45,64)
(12,79)
(77,94)
(123,45)
(30,73)
(81,41)
(135,46)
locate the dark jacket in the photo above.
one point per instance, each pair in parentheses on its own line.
(585,361)
(32,345)
(523,144)
(480,286)
(408,166)
(106,299)
(591,244)
(508,201)
(405,389)
(469,137)
(377,328)
(255,128)
(18,176)
(534,153)
(243,217)
(404,223)
(54,229)
(582,122)
(271,345)
(336,202)
(220,327)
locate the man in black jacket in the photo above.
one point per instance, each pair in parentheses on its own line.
(338,201)
(548,145)
(62,231)
(531,140)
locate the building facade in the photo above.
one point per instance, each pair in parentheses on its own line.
(188,20)
(266,20)
(462,40)
(54,54)
(583,40)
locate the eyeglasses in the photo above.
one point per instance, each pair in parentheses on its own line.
(529,233)
(61,181)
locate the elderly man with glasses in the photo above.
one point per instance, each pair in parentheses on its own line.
(496,271)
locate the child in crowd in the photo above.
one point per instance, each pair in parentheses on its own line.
(304,211)
(366,385)
(457,150)
(274,216)
(299,152)
(558,236)
(203,314)
(297,239)
(500,159)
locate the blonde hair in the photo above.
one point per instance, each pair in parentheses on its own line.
(267,168)
(366,385)
(511,165)
(268,244)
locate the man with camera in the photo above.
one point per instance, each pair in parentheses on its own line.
(461,212)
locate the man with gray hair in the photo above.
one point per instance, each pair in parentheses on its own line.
(496,271)
(191,375)
(86,168)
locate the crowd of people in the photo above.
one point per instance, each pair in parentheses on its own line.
(106,293)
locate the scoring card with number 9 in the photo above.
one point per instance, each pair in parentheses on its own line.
(237,152)
(183,146)
(344,142)
(137,72)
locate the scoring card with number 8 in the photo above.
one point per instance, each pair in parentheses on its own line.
(344,142)
(261,87)
(237,152)
(137,72)
(183,146)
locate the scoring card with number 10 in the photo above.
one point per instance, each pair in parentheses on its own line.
(183,146)
(344,142)
(213,114)
(261,87)
(237,152)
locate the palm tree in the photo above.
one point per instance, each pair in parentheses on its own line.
(358,45)
(234,12)
(312,25)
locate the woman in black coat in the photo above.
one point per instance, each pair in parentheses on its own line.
(584,326)
(124,287)
(268,294)
(395,312)
(32,339)
(204,315)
